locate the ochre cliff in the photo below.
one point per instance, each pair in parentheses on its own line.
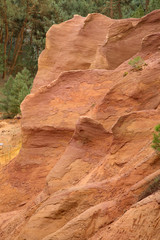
(87,126)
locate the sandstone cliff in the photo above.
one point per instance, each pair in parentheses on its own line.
(87,129)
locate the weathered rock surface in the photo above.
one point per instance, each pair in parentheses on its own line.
(71,45)
(89,131)
(124,39)
(140,222)
(95,41)
(137,90)
(100,186)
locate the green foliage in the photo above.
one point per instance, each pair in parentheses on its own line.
(65,9)
(137,63)
(156,139)
(22,34)
(154,4)
(14,92)
(125,74)
(153,187)
(139,12)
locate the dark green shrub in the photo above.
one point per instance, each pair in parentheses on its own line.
(14,92)
(156,139)
(153,187)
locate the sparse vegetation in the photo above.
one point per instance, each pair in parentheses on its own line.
(153,187)
(125,74)
(156,139)
(137,63)
(93,105)
(155,183)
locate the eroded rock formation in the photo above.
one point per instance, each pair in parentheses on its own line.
(86,155)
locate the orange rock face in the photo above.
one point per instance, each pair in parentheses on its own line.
(71,45)
(86,155)
(124,39)
(139,222)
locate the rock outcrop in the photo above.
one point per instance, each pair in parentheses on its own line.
(86,155)
(124,39)
(71,46)
(141,221)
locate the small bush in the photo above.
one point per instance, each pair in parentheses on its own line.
(14,92)
(125,74)
(153,187)
(156,139)
(137,63)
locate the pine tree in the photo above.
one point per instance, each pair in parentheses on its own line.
(22,33)
(14,92)
(153,4)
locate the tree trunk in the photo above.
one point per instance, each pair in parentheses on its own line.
(10,47)
(18,47)
(147,4)
(111,8)
(31,36)
(1,35)
(20,38)
(119,9)
(5,51)
(5,40)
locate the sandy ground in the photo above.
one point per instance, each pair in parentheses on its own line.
(10,139)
